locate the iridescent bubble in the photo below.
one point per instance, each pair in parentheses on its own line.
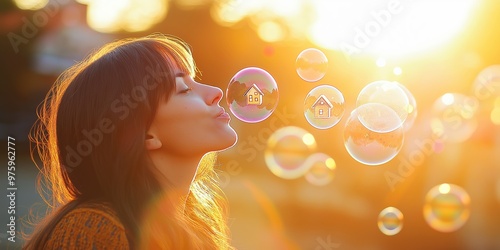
(486,86)
(321,169)
(454,117)
(446,207)
(252,95)
(287,150)
(366,145)
(324,106)
(388,93)
(411,108)
(379,118)
(311,65)
(390,221)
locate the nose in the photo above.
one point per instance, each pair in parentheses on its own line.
(213,95)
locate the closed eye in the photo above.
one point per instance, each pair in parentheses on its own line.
(186,90)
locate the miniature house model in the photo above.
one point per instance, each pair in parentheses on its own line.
(254,95)
(322,107)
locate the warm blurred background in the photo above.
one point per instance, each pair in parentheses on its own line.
(444,52)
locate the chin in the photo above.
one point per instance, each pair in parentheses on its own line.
(229,140)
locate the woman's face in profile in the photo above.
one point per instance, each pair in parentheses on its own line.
(191,122)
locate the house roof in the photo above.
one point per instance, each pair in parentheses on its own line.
(255,87)
(325,99)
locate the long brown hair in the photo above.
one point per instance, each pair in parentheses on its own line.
(90,138)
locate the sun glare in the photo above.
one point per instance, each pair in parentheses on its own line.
(384,28)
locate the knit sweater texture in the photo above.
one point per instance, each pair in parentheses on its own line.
(89,226)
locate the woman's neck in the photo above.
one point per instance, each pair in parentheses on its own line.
(179,173)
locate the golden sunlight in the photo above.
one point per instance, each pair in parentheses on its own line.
(31,4)
(129,15)
(384,28)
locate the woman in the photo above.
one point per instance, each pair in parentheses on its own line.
(125,137)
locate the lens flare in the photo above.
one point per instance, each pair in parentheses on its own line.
(287,150)
(321,168)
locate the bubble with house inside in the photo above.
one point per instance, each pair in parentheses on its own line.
(324,106)
(363,138)
(252,95)
(311,65)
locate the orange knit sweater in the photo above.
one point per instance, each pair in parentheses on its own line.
(90,226)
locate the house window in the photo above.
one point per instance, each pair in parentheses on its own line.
(256,99)
(321,112)
(255,93)
(250,98)
(322,102)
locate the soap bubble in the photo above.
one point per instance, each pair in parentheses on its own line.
(388,93)
(287,150)
(378,118)
(311,65)
(446,207)
(366,145)
(390,221)
(321,169)
(252,95)
(324,106)
(454,117)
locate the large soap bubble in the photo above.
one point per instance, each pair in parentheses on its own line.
(252,95)
(366,145)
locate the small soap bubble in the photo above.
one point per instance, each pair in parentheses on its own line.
(446,207)
(324,106)
(321,169)
(454,117)
(388,93)
(390,221)
(287,151)
(366,145)
(252,95)
(311,65)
